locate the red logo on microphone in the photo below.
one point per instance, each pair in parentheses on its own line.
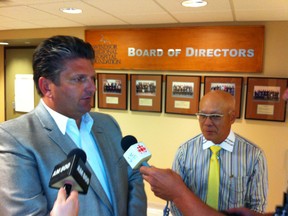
(141,149)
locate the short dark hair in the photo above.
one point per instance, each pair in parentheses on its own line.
(50,56)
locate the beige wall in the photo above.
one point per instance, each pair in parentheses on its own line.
(17,61)
(2,97)
(163,133)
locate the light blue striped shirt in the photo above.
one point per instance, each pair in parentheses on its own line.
(243,172)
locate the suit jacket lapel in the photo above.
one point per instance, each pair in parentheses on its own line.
(63,141)
(67,144)
(97,133)
(97,188)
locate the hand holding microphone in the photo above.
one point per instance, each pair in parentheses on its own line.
(72,174)
(136,153)
(165,183)
(66,207)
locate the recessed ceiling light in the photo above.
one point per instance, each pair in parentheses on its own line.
(4,43)
(194,3)
(71,10)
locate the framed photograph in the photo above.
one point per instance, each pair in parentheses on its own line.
(182,94)
(233,85)
(112,91)
(146,92)
(264,99)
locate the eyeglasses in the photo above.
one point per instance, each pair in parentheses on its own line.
(213,116)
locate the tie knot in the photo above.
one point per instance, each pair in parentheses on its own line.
(215,149)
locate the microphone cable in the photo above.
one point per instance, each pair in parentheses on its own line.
(166,210)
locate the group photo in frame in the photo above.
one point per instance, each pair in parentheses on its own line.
(112,91)
(264,98)
(182,94)
(232,85)
(146,92)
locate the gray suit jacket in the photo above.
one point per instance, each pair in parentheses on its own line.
(31,146)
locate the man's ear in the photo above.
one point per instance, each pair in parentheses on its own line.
(232,117)
(45,86)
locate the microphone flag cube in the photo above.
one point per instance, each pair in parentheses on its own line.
(136,155)
(71,171)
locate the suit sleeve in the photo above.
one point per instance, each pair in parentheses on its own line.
(137,200)
(19,195)
(129,190)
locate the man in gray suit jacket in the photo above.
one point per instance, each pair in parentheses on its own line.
(31,145)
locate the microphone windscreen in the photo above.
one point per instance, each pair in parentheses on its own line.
(79,153)
(128,141)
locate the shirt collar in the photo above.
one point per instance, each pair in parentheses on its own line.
(227,144)
(87,122)
(62,121)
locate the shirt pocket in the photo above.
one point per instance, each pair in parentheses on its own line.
(237,188)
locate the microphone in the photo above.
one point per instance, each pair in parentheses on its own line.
(136,153)
(72,173)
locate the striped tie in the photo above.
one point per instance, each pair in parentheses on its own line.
(213,178)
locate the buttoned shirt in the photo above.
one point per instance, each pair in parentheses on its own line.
(83,139)
(243,172)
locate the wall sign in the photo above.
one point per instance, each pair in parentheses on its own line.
(211,48)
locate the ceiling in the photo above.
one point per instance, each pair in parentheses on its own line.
(35,14)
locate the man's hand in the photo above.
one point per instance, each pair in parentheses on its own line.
(66,207)
(165,183)
(246,212)
(168,185)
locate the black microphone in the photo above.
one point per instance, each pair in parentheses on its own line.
(136,153)
(72,173)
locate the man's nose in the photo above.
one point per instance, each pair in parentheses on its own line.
(91,85)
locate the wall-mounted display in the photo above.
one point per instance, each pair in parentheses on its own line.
(195,48)
(146,92)
(233,85)
(182,94)
(263,99)
(112,91)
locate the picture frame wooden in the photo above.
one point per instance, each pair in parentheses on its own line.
(146,92)
(182,94)
(233,85)
(112,91)
(264,98)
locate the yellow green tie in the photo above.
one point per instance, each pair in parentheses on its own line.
(213,178)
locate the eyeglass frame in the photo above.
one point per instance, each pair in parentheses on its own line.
(213,116)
